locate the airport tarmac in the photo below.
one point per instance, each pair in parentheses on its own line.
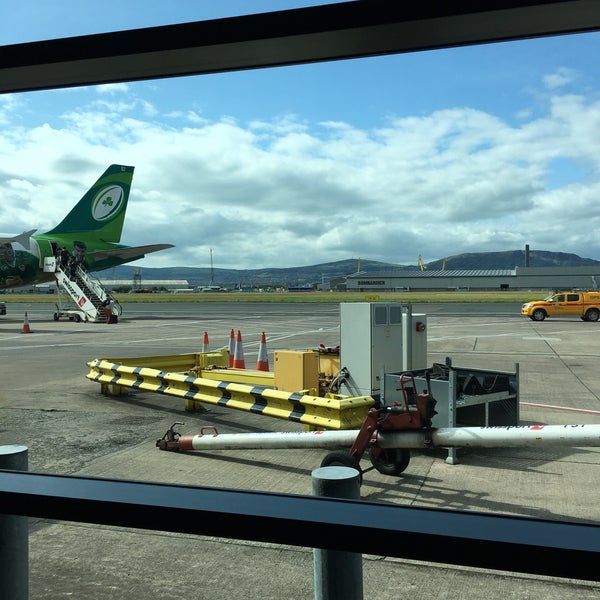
(48,405)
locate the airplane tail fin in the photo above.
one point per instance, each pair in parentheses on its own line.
(102,208)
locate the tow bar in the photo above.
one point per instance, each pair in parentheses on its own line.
(387,434)
(415,412)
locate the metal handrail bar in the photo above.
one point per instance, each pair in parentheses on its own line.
(507,543)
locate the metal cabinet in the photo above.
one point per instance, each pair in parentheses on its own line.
(466,396)
(379,337)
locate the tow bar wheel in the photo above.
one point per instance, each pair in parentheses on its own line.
(390,461)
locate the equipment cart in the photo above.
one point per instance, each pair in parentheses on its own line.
(466,396)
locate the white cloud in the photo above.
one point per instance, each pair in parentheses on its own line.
(560,78)
(112,88)
(285,192)
(9,104)
(190,115)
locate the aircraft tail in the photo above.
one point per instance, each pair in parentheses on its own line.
(102,208)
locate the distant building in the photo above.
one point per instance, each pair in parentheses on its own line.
(519,278)
(301,288)
(169,284)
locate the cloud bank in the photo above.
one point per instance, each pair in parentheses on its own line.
(289,191)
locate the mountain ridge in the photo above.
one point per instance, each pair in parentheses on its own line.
(325,272)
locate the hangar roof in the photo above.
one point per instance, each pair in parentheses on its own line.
(430,274)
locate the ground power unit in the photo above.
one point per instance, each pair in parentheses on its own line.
(376,338)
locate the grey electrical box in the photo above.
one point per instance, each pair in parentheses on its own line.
(374,338)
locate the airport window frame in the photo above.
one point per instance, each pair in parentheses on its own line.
(29,66)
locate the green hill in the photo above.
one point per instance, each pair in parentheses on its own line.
(290,276)
(326,272)
(510,260)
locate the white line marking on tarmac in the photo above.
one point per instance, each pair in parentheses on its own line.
(471,336)
(152,341)
(563,408)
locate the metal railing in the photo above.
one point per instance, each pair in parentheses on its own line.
(507,543)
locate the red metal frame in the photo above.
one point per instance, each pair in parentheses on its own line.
(414,412)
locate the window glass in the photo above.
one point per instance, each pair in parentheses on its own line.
(381,315)
(395,315)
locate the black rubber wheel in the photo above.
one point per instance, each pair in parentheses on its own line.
(56,316)
(539,314)
(77,318)
(340,458)
(391,461)
(592,314)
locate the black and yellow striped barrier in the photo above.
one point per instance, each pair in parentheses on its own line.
(179,376)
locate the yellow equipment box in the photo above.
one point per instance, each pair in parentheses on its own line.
(296,370)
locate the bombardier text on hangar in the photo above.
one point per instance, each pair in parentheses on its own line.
(90,234)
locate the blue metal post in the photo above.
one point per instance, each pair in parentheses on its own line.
(338,574)
(14,536)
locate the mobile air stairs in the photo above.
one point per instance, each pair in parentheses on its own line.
(87,294)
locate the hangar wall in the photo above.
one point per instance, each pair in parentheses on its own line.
(541,278)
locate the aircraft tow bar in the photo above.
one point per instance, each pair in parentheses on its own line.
(387,435)
(515,436)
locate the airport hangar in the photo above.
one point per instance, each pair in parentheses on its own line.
(519,278)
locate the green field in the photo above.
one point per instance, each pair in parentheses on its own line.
(295,297)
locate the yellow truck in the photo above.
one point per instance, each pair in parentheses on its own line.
(584,304)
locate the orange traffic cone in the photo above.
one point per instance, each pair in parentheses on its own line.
(26,328)
(262,364)
(238,358)
(231,348)
(205,343)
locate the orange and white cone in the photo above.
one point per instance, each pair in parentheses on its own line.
(262,364)
(205,343)
(231,348)
(26,328)
(238,358)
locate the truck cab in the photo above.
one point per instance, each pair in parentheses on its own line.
(584,304)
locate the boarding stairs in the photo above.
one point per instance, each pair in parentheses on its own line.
(86,292)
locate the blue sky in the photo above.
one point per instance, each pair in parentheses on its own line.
(472,149)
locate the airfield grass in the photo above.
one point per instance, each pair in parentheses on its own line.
(459,296)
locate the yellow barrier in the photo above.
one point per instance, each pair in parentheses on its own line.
(247,376)
(176,362)
(117,375)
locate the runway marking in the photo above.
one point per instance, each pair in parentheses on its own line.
(562,408)
(543,339)
(151,341)
(471,336)
(285,336)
